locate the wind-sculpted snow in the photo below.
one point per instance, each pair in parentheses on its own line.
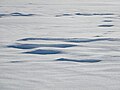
(106,25)
(31,46)
(43,52)
(81,61)
(65,14)
(91,14)
(75,40)
(86,14)
(1,15)
(16,62)
(20,14)
(54,48)
(107,21)
(16,14)
(59,45)
(24,46)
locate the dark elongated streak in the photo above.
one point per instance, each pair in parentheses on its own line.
(74,60)
(106,25)
(75,40)
(24,46)
(43,52)
(31,46)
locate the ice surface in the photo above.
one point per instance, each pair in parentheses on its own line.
(59,45)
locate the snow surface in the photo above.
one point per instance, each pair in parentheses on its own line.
(59,45)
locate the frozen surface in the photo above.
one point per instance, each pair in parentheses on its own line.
(59,45)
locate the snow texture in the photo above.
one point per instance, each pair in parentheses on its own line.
(59,45)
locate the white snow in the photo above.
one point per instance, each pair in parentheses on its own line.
(59,45)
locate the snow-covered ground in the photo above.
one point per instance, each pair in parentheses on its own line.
(59,45)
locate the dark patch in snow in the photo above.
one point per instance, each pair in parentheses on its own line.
(58,45)
(74,60)
(109,17)
(31,46)
(2,14)
(16,61)
(87,40)
(103,14)
(48,39)
(106,25)
(75,40)
(16,14)
(91,14)
(43,52)
(67,14)
(24,46)
(20,14)
(107,21)
(97,36)
(84,14)
(58,15)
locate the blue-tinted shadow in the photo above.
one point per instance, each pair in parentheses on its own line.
(16,61)
(67,14)
(23,46)
(47,39)
(106,25)
(43,52)
(31,46)
(87,40)
(74,60)
(20,14)
(75,40)
(91,14)
(1,15)
(107,21)
(85,14)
